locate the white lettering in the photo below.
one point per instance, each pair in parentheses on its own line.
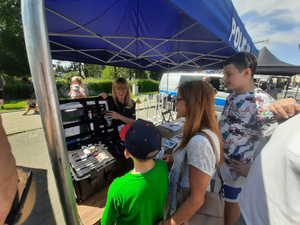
(239,40)
(248,48)
(237,37)
(244,43)
(233,26)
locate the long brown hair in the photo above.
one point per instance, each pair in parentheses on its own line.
(121,83)
(200,111)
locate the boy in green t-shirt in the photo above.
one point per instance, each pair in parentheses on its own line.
(139,196)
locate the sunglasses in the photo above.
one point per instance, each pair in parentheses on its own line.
(121,89)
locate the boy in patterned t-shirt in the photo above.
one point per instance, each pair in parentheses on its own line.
(245,120)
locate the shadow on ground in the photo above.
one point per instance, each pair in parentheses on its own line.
(42,211)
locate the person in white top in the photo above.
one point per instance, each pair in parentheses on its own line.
(195,102)
(272,192)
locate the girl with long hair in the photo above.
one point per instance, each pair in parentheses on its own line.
(195,102)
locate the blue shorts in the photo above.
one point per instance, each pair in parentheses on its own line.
(231,193)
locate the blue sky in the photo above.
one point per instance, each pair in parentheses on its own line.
(277,20)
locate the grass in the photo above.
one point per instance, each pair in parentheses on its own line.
(145,93)
(14,105)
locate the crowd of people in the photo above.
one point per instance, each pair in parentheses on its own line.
(262,188)
(250,116)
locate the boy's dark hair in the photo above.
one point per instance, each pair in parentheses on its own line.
(243,60)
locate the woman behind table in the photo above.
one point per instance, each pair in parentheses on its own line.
(195,102)
(121,106)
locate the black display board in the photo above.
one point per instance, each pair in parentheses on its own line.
(95,150)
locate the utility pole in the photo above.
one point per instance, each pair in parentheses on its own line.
(266,41)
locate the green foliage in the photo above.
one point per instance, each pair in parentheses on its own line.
(108,73)
(69,75)
(144,93)
(63,87)
(18,91)
(142,74)
(146,85)
(93,70)
(96,86)
(22,87)
(59,68)
(13,57)
(17,87)
(126,73)
(154,75)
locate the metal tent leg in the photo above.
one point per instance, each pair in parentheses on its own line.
(40,62)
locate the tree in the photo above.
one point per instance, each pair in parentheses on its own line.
(124,72)
(93,70)
(108,73)
(154,75)
(142,74)
(13,57)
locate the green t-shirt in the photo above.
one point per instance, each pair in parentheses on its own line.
(137,198)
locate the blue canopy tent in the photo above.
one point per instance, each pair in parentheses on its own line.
(156,35)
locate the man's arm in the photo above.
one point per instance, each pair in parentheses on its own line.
(285,108)
(8,175)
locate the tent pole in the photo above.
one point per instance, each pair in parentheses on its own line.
(168,79)
(40,62)
(287,87)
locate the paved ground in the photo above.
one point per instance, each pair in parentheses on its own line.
(27,139)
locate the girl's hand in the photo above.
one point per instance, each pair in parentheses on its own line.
(103,95)
(167,158)
(113,115)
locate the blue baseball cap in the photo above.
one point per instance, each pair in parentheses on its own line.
(141,138)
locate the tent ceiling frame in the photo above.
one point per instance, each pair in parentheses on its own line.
(133,37)
(82,27)
(128,56)
(152,61)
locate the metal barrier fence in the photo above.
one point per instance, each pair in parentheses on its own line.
(153,108)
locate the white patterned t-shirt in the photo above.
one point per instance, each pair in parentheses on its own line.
(245,119)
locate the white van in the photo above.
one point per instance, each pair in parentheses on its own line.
(170,81)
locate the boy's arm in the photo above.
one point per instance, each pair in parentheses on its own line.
(111,211)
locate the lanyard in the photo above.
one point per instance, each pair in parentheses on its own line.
(119,109)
